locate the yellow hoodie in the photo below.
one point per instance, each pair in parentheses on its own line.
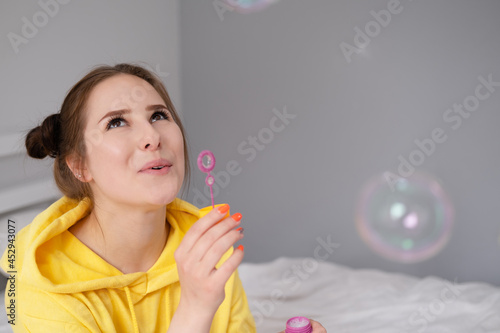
(60,285)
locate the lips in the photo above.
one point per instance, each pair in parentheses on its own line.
(156,165)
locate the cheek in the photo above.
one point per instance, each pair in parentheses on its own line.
(105,156)
(179,145)
(173,138)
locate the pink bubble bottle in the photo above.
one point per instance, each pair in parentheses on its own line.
(298,325)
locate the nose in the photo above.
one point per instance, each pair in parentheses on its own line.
(150,138)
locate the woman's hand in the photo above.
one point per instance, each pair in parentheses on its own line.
(202,285)
(317,328)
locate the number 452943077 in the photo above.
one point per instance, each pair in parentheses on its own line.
(11,225)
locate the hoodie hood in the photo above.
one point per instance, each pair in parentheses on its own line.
(52,259)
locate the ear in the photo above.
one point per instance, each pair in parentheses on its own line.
(78,168)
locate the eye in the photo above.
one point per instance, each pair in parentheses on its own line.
(159,115)
(115,121)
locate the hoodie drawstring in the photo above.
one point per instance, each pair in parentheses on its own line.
(132,311)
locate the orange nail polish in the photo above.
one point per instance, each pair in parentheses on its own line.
(223,209)
(240,229)
(237,217)
(240,247)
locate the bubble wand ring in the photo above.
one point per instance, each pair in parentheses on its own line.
(206,163)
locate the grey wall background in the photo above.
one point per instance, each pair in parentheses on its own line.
(352,120)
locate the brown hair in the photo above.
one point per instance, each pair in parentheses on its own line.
(62,134)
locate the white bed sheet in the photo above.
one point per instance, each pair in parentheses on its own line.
(348,300)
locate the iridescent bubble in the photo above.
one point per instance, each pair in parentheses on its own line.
(249,6)
(404,219)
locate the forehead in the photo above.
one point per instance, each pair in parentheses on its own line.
(122,91)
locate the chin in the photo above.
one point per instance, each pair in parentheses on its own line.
(162,199)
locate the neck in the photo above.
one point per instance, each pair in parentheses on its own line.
(128,238)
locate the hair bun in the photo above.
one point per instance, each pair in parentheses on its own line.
(44,140)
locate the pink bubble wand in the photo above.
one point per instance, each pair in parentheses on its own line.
(206,163)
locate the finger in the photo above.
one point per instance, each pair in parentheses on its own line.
(207,241)
(201,226)
(317,327)
(215,252)
(223,273)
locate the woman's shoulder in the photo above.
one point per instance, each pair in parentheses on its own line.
(51,222)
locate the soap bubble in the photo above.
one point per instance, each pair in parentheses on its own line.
(249,6)
(404,219)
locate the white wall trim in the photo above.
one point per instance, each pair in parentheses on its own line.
(11,144)
(21,196)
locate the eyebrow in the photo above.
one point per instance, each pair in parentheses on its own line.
(125,111)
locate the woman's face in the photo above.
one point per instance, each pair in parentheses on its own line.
(135,150)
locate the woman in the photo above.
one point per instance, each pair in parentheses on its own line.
(119,252)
